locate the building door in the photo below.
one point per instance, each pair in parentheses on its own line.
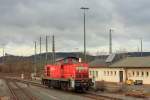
(121,76)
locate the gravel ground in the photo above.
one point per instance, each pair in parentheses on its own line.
(121,96)
(52,94)
(40,93)
(4,91)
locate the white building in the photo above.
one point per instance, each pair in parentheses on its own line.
(129,68)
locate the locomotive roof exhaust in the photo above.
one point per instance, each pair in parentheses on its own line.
(80,59)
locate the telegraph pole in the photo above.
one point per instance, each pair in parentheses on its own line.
(110,41)
(35,65)
(53,49)
(84,9)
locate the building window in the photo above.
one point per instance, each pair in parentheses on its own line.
(147,74)
(114,72)
(108,73)
(137,73)
(111,73)
(129,74)
(90,72)
(133,73)
(104,73)
(96,73)
(142,74)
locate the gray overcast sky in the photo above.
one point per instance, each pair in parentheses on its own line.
(24,21)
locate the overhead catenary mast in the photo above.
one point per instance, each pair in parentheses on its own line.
(110,41)
(53,49)
(141,47)
(40,52)
(46,49)
(35,65)
(3,55)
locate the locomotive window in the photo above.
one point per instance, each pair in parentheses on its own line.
(81,68)
(65,61)
(69,60)
(74,61)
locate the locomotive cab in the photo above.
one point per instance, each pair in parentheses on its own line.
(82,81)
(81,72)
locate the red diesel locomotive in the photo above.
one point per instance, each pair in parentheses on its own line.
(67,74)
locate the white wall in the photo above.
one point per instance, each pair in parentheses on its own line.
(106,74)
(139,74)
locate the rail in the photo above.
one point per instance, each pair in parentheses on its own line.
(25,92)
(14,95)
(12,92)
(87,94)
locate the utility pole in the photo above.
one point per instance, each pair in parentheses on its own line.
(84,8)
(46,49)
(110,41)
(141,47)
(35,65)
(53,49)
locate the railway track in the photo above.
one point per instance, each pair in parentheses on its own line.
(87,94)
(19,93)
(13,94)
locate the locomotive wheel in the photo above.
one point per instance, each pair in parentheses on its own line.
(80,89)
(49,84)
(64,86)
